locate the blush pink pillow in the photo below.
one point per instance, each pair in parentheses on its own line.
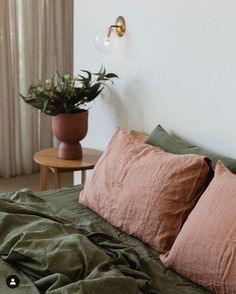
(205,249)
(143,190)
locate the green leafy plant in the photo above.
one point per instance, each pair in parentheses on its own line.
(67,94)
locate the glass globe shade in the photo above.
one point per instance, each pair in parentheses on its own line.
(106,40)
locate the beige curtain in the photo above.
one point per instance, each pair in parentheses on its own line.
(36,39)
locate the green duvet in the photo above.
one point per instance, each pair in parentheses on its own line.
(55,245)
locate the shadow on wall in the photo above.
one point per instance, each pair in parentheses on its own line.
(127,109)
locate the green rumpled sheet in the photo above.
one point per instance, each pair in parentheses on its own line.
(55,245)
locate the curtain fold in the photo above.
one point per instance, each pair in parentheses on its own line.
(36,39)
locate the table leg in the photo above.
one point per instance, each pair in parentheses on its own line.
(83,176)
(43,177)
(56,179)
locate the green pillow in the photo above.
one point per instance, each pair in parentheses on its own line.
(160,138)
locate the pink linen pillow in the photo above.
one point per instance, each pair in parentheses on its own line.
(143,190)
(205,249)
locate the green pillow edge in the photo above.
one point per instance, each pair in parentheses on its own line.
(161,138)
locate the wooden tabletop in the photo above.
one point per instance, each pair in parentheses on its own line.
(49,157)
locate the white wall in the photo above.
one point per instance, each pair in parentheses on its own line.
(177,67)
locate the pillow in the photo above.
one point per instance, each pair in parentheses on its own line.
(205,249)
(160,138)
(143,190)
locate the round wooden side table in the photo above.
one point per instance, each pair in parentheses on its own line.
(48,160)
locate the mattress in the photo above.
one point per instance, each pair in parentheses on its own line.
(55,245)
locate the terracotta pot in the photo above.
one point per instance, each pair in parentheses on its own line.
(70,128)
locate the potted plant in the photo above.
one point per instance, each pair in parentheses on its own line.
(66,99)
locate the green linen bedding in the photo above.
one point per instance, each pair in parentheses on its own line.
(55,245)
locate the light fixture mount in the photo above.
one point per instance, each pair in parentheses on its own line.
(120,26)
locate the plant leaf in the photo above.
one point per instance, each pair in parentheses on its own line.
(111,76)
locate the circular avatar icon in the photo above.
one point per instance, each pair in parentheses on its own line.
(12,281)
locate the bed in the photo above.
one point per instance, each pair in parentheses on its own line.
(54,244)
(95,257)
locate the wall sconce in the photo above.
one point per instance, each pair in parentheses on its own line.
(106,40)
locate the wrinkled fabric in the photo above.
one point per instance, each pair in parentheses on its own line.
(55,245)
(55,254)
(145,191)
(205,249)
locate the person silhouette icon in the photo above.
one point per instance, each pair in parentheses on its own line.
(12,283)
